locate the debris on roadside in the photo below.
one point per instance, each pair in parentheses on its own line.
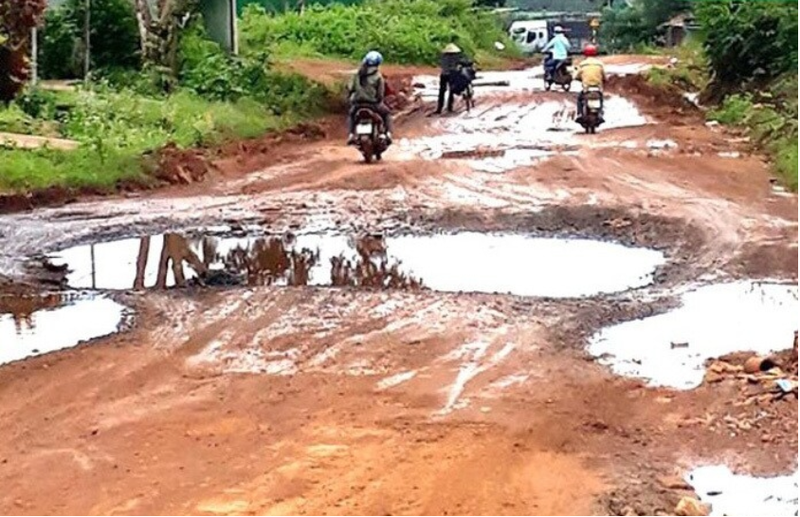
(689,506)
(761,384)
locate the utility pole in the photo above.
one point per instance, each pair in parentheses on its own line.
(34,56)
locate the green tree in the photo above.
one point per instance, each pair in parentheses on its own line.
(113,31)
(747,40)
(624,27)
(17,18)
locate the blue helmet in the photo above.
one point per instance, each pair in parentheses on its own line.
(373,58)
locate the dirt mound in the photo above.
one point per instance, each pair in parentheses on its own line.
(654,99)
(172,165)
(52,196)
(181,166)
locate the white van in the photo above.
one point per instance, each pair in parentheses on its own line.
(529,35)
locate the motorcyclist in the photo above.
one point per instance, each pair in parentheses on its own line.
(559,47)
(367,89)
(452,58)
(591,73)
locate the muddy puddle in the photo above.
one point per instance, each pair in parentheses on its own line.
(738,494)
(32,325)
(528,80)
(467,261)
(670,349)
(506,136)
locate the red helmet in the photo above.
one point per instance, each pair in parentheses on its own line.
(590,50)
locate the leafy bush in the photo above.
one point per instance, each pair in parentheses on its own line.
(786,161)
(733,110)
(405,31)
(59,56)
(771,117)
(211,73)
(279,6)
(747,40)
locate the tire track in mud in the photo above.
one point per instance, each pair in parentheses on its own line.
(399,402)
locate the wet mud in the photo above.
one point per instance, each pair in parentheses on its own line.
(516,264)
(35,324)
(315,400)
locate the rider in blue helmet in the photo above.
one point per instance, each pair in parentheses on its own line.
(367,88)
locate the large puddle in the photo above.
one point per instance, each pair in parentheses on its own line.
(529,80)
(670,349)
(734,494)
(37,324)
(506,136)
(468,262)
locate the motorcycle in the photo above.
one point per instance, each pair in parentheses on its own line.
(560,76)
(592,115)
(370,134)
(461,83)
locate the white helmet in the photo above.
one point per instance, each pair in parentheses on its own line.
(558,29)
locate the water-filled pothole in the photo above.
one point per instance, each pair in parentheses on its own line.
(735,494)
(32,325)
(670,349)
(466,261)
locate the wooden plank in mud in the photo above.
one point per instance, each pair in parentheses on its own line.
(36,142)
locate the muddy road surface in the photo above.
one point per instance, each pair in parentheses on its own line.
(504,316)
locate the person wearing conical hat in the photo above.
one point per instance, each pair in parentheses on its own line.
(451,59)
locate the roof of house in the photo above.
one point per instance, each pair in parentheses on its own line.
(680,20)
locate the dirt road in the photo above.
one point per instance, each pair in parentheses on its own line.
(282,394)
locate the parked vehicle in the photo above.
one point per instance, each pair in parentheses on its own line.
(532,35)
(529,35)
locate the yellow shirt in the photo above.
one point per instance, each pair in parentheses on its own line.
(590,72)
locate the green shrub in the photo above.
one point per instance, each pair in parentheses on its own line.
(405,31)
(735,109)
(59,42)
(747,40)
(771,118)
(786,161)
(210,72)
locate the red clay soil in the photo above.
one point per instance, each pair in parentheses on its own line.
(666,100)
(299,400)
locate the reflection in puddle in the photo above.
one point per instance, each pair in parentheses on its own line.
(37,324)
(712,321)
(471,262)
(174,260)
(733,494)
